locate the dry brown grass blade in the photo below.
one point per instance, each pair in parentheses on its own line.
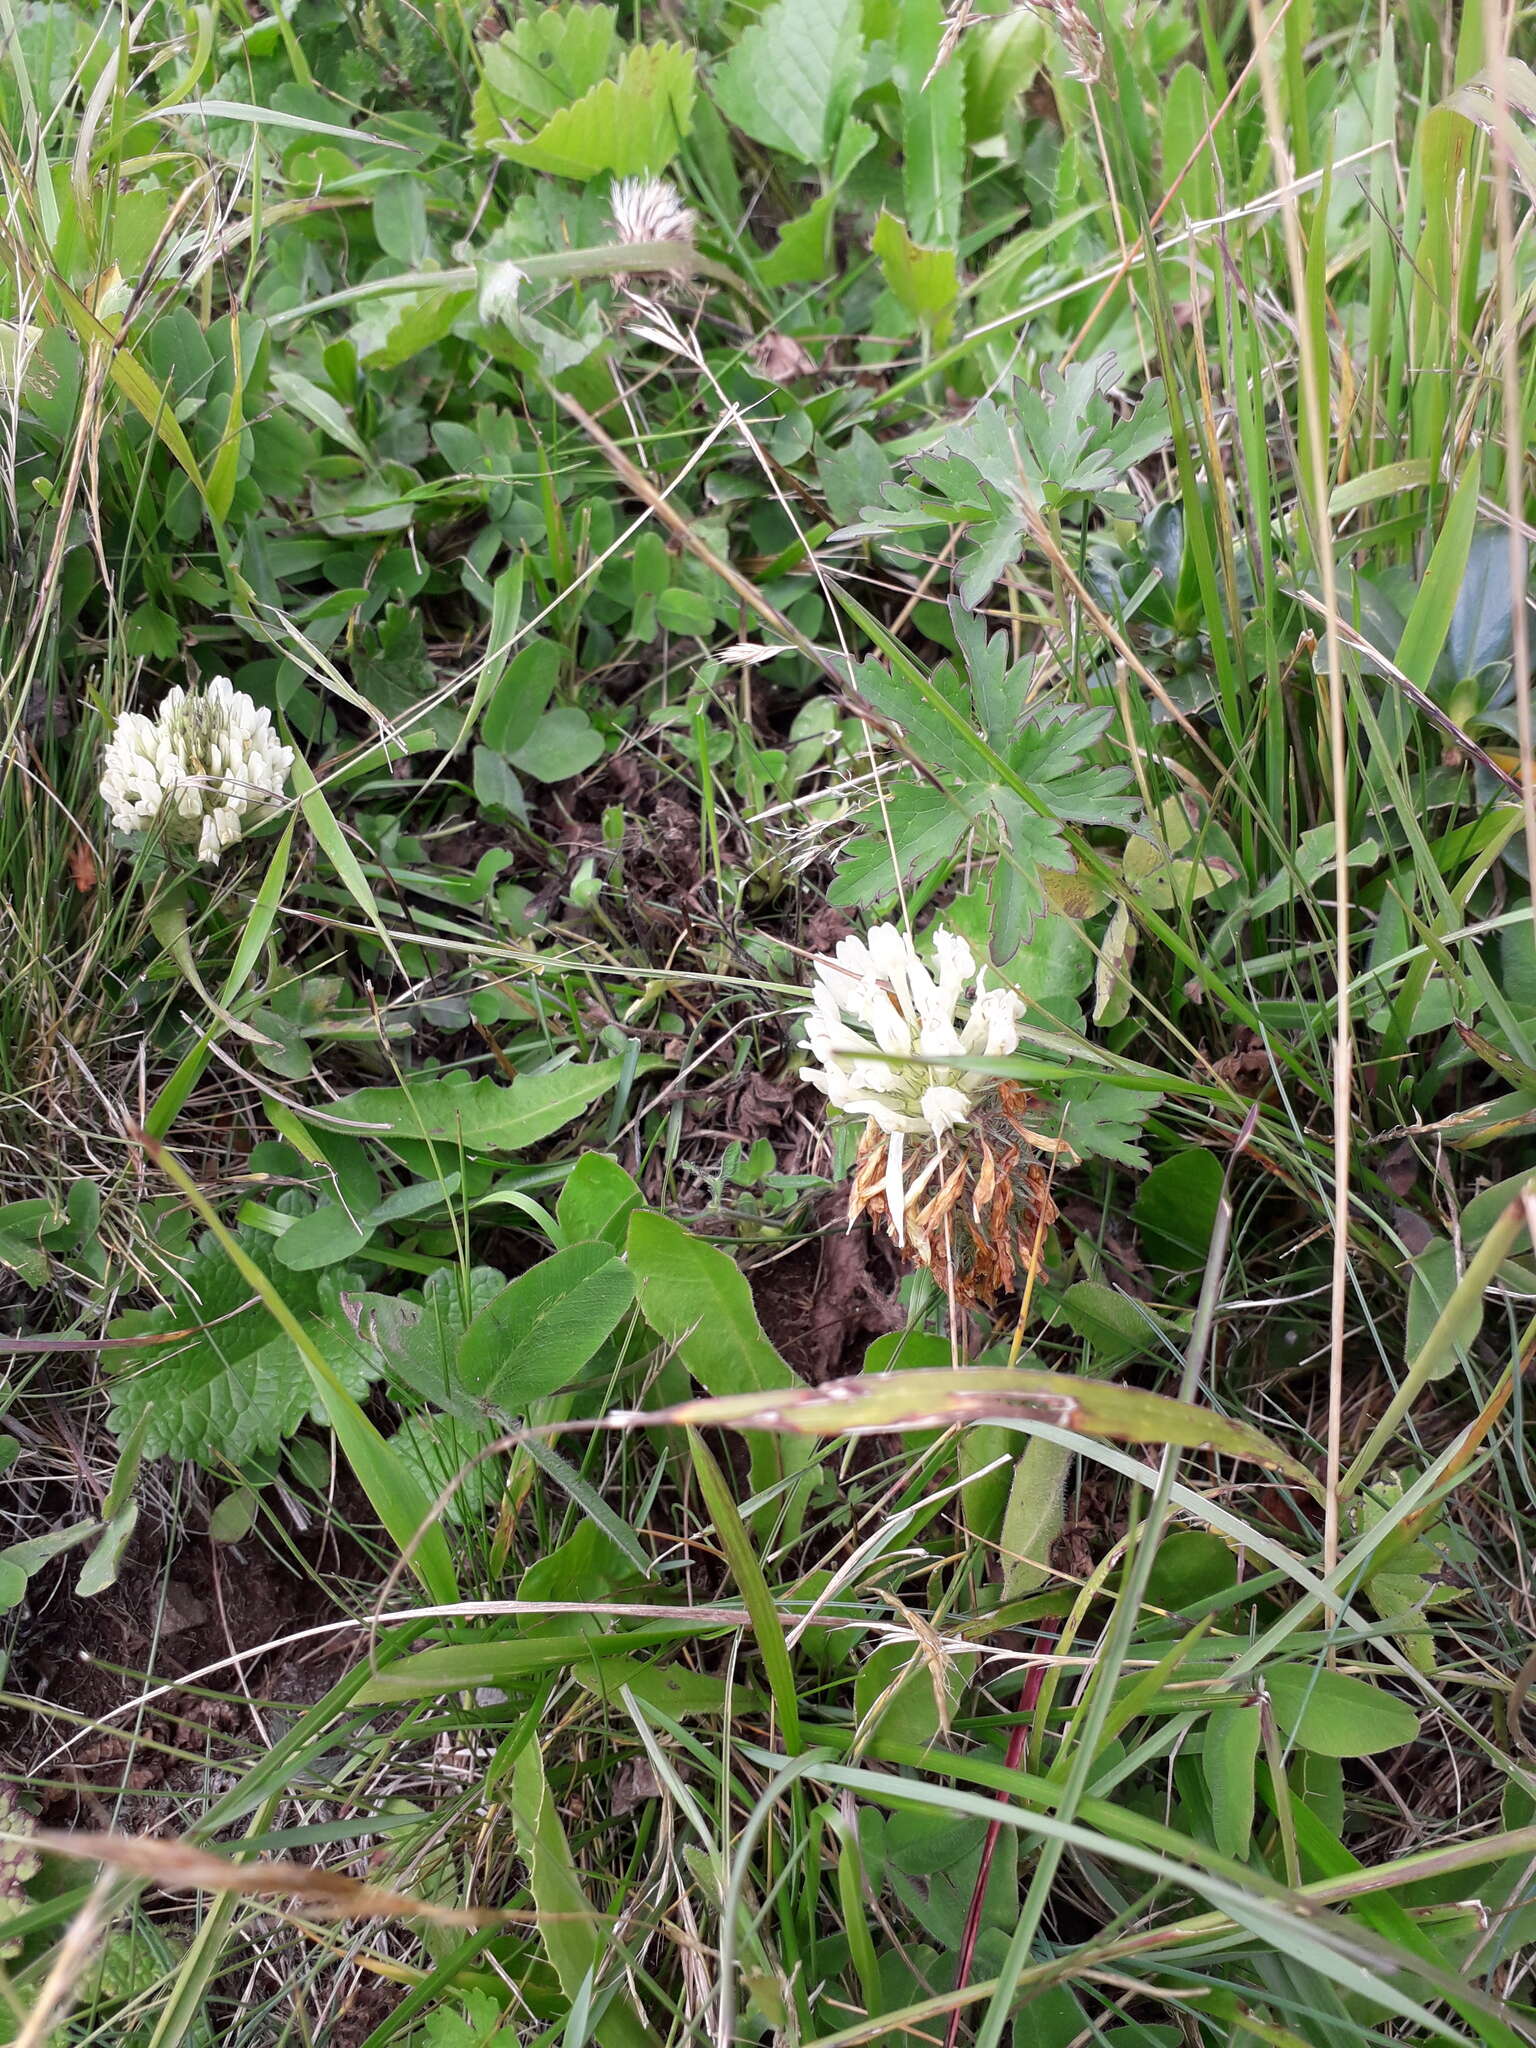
(177,1866)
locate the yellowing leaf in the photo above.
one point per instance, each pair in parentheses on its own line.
(924,282)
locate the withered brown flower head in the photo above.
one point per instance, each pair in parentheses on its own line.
(978,1205)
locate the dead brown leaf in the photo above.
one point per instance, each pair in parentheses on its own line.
(780,358)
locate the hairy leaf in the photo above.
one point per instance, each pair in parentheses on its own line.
(234,1386)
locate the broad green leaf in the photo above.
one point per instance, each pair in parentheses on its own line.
(1434,604)
(631,126)
(1033,1518)
(1117,1327)
(696,1298)
(20,1560)
(226,1385)
(935,1400)
(1001,56)
(1334,1715)
(543,1327)
(924,282)
(406,324)
(418,1341)
(1231,1751)
(563,743)
(1188,143)
(224,469)
(574,1933)
(99,1572)
(677,1691)
(1175,1209)
(1482,626)
(1112,976)
(597,1201)
(517,703)
(933,125)
(462,1666)
(792,76)
(483,1116)
(903,1697)
(133,381)
(803,252)
(391,1488)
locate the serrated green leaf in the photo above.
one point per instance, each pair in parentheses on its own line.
(925,826)
(933,125)
(235,1387)
(549,57)
(1099,1120)
(791,78)
(418,1341)
(631,126)
(443,1451)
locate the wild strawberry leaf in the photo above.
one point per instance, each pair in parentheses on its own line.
(632,125)
(792,75)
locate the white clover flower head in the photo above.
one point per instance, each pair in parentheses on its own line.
(202,770)
(650,210)
(500,287)
(875,997)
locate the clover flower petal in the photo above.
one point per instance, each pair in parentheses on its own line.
(951,1162)
(876,996)
(206,767)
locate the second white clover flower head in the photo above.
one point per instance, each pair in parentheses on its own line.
(650,210)
(206,767)
(876,997)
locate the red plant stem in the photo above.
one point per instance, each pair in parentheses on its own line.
(1029,1698)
